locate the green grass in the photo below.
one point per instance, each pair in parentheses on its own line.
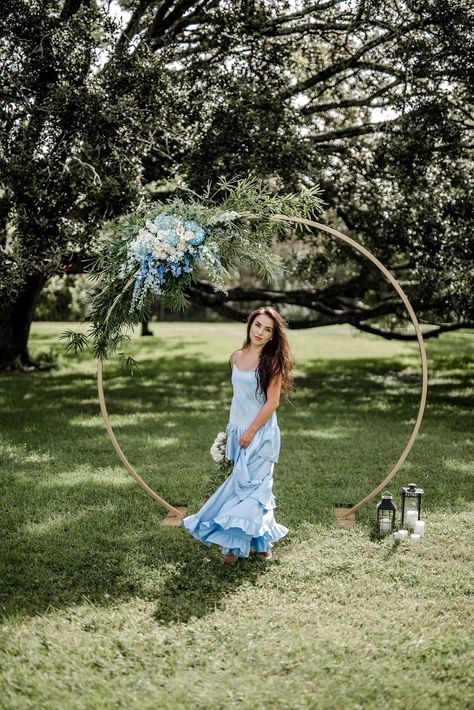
(102,607)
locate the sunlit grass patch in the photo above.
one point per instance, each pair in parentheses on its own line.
(103,606)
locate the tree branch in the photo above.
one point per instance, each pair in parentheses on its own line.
(352,131)
(308,298)
(133,24)
(203,294)
(70,8)
(319,7)
(349,62)
(309,109)
(389,335)
(308,29)
(176,19)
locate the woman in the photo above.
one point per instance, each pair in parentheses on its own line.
(239,515)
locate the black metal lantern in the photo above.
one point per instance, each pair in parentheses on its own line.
(386,510)
(411,505)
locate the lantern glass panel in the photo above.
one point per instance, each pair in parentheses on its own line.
(411,504)
(386,514)
(385,521)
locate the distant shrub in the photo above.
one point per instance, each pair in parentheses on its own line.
(64,298)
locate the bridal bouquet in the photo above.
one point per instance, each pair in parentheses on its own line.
(218,447)
(225,466)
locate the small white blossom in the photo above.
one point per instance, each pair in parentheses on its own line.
(143,234)
(223,217)
(151,227)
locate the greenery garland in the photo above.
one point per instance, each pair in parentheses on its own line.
(161,249)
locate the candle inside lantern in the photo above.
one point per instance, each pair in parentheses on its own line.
(419,528)
(415,537)
(411,518)
(385,525)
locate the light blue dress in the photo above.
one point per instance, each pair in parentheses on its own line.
(239,515)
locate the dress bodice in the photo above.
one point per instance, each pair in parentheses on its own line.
(246,402)
(247,399)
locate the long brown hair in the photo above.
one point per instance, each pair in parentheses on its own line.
(275,358)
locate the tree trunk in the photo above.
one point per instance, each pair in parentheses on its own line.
(15,323)
(145,328)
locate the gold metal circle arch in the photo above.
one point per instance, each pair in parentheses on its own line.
(177,513)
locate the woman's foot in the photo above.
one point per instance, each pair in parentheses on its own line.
(230,559)
(266,556)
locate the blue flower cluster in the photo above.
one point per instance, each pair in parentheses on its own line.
(168,247)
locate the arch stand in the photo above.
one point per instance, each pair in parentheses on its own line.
(346,517)
(175,514)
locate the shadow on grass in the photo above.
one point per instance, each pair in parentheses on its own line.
(106,546)
(69,538)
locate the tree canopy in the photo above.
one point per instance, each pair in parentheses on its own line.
(106,104)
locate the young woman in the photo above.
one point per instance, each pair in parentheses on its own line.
(239,515)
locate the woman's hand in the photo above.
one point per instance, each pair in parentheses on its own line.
(246,438)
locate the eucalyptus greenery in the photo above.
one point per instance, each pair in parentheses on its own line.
(238,218)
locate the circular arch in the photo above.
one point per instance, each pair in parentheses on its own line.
(346,513)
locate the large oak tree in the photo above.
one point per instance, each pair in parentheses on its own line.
(96,111)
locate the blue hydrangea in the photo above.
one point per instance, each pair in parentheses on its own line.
(165,222)
(191,226)
(171,238)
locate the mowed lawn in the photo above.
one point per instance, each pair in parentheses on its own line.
(104,607)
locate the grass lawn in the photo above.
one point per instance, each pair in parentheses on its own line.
(103,607)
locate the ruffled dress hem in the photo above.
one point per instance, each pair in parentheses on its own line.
(237,536)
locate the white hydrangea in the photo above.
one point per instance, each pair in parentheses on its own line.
(151,227)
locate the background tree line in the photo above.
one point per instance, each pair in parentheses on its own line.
(106,105)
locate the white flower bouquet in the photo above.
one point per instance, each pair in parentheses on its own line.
(224,467)
(218,447)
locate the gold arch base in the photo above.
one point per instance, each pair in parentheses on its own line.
(345,516)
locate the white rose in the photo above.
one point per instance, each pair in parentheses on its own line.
(151,227)
(216,453)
